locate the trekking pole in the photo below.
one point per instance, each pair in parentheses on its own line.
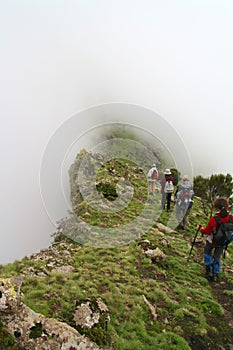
(224,250)
(199,226)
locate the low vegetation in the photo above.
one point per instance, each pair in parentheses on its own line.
(188,311)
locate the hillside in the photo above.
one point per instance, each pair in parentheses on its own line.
(116,278)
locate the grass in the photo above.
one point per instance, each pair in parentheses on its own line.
(122,275)
(117,275)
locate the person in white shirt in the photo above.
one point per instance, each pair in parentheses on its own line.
(152,176)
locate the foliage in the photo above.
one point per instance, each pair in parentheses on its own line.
(209,188)
(176,175)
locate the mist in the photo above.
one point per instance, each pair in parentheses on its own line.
(59,59)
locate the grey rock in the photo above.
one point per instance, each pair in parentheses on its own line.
(33,330)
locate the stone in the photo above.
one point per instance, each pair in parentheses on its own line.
(33,330)
(156,254)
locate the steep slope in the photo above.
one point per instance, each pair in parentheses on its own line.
(156,297)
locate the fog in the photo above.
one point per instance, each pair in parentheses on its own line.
(59,59)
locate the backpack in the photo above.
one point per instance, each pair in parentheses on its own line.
(224,234)
(155,174)
(184,198)
(169,187)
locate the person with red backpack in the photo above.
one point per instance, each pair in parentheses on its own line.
(152,177)
(213,249)
(167,188)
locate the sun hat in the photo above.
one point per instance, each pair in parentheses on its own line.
(167,172)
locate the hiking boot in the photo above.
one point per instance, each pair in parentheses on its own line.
(208,273)
(215,278)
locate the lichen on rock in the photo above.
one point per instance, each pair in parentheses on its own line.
(32,330)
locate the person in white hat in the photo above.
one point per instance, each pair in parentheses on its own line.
(152,177)
(167,188)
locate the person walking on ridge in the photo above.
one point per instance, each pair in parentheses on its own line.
(213,251)
(184,201)
(152,177)
(167,188)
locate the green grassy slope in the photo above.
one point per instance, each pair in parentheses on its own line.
(187,313)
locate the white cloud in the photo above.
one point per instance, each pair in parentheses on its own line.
(58,57)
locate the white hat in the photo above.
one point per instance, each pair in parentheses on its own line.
(167,172)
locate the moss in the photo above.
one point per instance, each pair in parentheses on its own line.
(170,341)
(36,331)
(7,341)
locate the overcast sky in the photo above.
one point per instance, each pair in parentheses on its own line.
(60,57)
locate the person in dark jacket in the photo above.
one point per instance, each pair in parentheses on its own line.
(166,197)
(212,251)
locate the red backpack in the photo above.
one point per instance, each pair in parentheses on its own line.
(155,175)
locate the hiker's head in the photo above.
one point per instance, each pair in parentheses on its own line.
(167,172)
(185,178)
(153,164)
(222,205)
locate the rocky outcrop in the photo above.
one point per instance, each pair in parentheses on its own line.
(33,330)
(88,313)
(154,253)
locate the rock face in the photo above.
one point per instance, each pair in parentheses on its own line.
(88,313)
(110,202)
(32,330)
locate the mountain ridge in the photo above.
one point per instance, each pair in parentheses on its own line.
(155,297)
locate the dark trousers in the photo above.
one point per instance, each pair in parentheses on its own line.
(166,197)
(215,251)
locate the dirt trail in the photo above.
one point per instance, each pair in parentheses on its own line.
(219,291)
(223,338)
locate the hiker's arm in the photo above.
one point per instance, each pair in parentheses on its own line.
(209,227)
(149,174)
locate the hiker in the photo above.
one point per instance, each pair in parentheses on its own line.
(213,251)
(167,188)
(152,176)
(184,201)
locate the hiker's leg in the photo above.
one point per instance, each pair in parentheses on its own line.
(185,220)
(208,259)
(217,257)
(153,186)
(169,195)
(179,215)
(163,201)
(150,186)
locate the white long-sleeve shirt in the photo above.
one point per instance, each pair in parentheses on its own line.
(150,173)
